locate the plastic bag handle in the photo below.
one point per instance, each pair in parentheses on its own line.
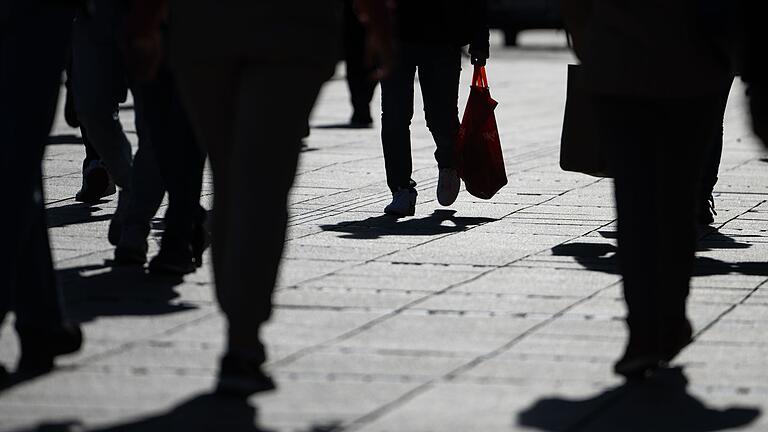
(479,78)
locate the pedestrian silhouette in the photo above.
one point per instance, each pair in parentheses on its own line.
(659,131)
(249,104)
(431,35)
(33,45)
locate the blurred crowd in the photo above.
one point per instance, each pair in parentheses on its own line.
(234,82)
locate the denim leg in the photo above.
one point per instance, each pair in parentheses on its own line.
(97,80)
(396,115)
(147,188)
(439,74)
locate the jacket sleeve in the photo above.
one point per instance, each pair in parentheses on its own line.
(481,38)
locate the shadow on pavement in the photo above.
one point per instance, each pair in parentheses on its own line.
(65,139)
(202,413)
(74,213)
(658,404)
(94,291)
(603,257)
(439,222)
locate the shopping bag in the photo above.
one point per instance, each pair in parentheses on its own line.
(479,159)
(580,147)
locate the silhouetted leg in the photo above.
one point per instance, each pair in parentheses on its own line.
(33,43)
(439,74)
(396,115)
(658,171)
(98,81)
(180,160)
(712,161)
(146,183)
(244,281)
(361,87)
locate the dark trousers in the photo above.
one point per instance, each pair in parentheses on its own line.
(658,152)
(439,69)
(252,132)
(179,158)
(33,46)
(712,164)
(361,87)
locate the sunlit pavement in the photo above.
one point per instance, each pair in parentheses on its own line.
(496,315)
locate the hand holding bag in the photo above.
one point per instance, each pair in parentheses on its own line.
(479,158)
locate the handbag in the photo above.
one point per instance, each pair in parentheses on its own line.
(479,158)
(580,147)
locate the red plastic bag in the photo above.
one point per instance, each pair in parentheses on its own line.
(479,160)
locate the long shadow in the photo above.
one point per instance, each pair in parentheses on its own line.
(349,126)
(74,214)
(603,257)
(206,412)
(658,404)
(65,139)
(96,291)
(439,222)
(202,413)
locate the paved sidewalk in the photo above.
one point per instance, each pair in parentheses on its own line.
(499,315)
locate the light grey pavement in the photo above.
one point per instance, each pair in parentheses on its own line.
(499,315)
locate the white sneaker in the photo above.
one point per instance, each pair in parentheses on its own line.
(403,203)
(448,186)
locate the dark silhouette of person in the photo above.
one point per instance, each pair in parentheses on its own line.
(34,36)
(180,161)
(96,181)
(431,34)
(99,83)
(657,80)
(249,83)
(358,71)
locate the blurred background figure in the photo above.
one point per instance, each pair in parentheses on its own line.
(179,158)
(96,181)
(34,37)
(361,86)
(431,34)
(249,102)
(99,84)
(659,103)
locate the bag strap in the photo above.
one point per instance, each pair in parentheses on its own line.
(479,78)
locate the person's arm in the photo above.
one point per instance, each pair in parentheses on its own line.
(376,16)
(479,48)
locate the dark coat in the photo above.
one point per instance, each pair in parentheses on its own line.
(307,31)
(458,22)
(655,49)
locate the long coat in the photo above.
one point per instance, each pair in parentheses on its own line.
(656,49)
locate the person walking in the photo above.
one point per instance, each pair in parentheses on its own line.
(227,59)
(657,80)
(100,82)
(33,42)
(431,34)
